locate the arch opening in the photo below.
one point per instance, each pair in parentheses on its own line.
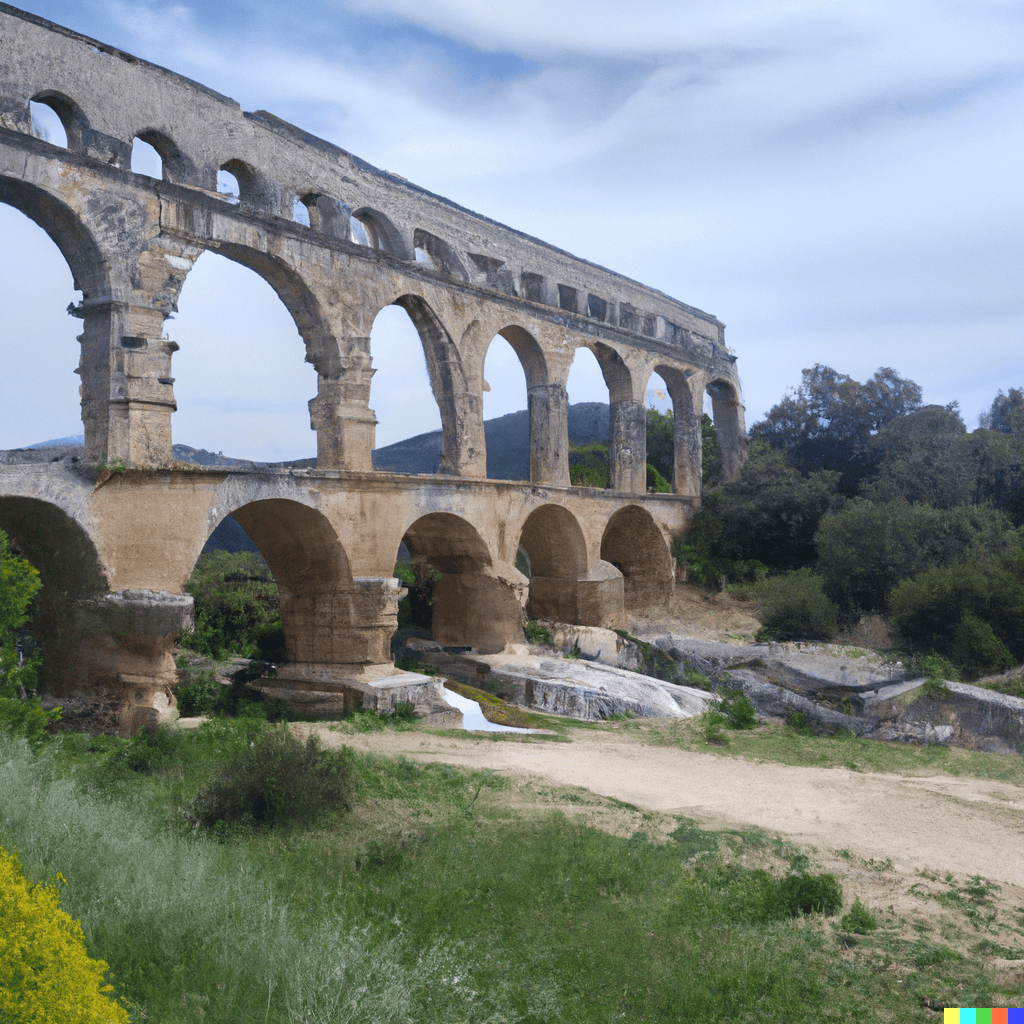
(47,124)
(241,380)
(472,605)
(372,229)
(402,395)
(69,570)
(228,186)
(557,554)
(301,211)
(39,388)
(146,159)
(633,543)
(588,420)
(724,430)
(294,592)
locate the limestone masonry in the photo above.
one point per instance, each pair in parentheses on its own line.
(115,549)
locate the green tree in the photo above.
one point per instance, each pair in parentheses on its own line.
(924,456)
(237,607)
(19,584)
(866,548)
(827,422)
(1006,414)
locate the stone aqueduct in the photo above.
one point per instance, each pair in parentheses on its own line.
(116,548)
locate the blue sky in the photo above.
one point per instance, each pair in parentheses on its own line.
(838,182)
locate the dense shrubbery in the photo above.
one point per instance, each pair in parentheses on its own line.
(277,782)
(237,610)
(880,505)
(46,974)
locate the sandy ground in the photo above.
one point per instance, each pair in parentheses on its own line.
(940,824)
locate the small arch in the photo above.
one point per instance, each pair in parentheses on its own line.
(634,544)
(72,120)
(301,213)
(372,229)
(146,160)
(173,164)
(228,186)
(437,254)
(255,191)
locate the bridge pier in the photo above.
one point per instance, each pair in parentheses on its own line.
(627,447)
(117,656)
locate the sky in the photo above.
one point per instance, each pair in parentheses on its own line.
(838,182)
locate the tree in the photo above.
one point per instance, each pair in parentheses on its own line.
(828,421)
(661,453)
(1006,414)
(19,583)
(866,548)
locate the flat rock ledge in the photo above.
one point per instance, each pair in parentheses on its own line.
(603,675)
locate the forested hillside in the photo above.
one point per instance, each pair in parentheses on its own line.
(858,499)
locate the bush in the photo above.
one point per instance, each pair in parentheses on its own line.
(277,782)
(656,482)
(537,634)
(795,607)
(588,464)
(811,894)
(45,972)
(967,613)
(738,711)
(859,920)
(712,722)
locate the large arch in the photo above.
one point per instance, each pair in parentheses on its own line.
(474,604)
(557,550)
(727,409)
(447,379)
(634,544)
(313,577)
(686,415)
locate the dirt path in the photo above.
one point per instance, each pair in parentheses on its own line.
(963,825)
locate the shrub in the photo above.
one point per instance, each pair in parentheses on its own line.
(588,464)
(277,782)
(45,972)
(738,711)
(712,722)
(656,482)
(859,920)
(198,695)
(537,634)
(968,613)
(795,607)
(811,894)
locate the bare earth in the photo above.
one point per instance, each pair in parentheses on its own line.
(963,825)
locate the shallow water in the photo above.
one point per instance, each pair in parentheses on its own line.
(473,716)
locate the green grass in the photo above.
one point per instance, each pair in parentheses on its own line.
(446,894)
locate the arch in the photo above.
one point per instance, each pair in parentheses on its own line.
(437,254)
(313,576)
(69,569)
(447,378)
(554,543)
(687,442)
(177,167)
(256,192)
(71,115)
(530,354)
(231,318)
(634,544)
(727,411)
(321,346)
(79,248)
(371,228)
(557,553)
(474,605)
(448,542)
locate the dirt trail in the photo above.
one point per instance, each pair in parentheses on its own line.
(963,825)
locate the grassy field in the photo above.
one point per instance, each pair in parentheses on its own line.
(443,894)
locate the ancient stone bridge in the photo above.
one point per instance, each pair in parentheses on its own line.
(337,240)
